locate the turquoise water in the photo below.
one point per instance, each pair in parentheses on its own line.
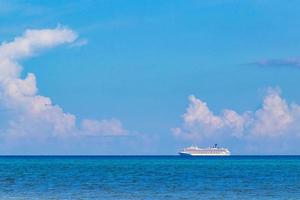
(173,177)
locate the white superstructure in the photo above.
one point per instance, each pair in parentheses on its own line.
(209,151)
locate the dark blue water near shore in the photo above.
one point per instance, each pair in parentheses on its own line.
(154,177)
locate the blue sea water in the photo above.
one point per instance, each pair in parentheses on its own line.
(150,177)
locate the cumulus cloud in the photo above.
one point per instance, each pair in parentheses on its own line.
(276,116)
(274,119)
(35,115)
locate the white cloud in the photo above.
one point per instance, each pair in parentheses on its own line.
(34,40)
(34,115)
(199,113)
(275,118)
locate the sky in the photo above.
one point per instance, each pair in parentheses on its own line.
(149,77)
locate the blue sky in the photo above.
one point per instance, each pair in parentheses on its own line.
(139,61)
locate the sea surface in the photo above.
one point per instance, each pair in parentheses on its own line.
(150,177)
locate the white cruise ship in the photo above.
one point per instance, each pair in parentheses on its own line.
(209,151)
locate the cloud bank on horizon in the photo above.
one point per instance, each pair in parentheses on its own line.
(31,114)
(276,119)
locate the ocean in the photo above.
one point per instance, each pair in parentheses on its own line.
(149,177)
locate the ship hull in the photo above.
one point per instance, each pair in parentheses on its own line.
(184,154)
(200,154)
(209,151)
